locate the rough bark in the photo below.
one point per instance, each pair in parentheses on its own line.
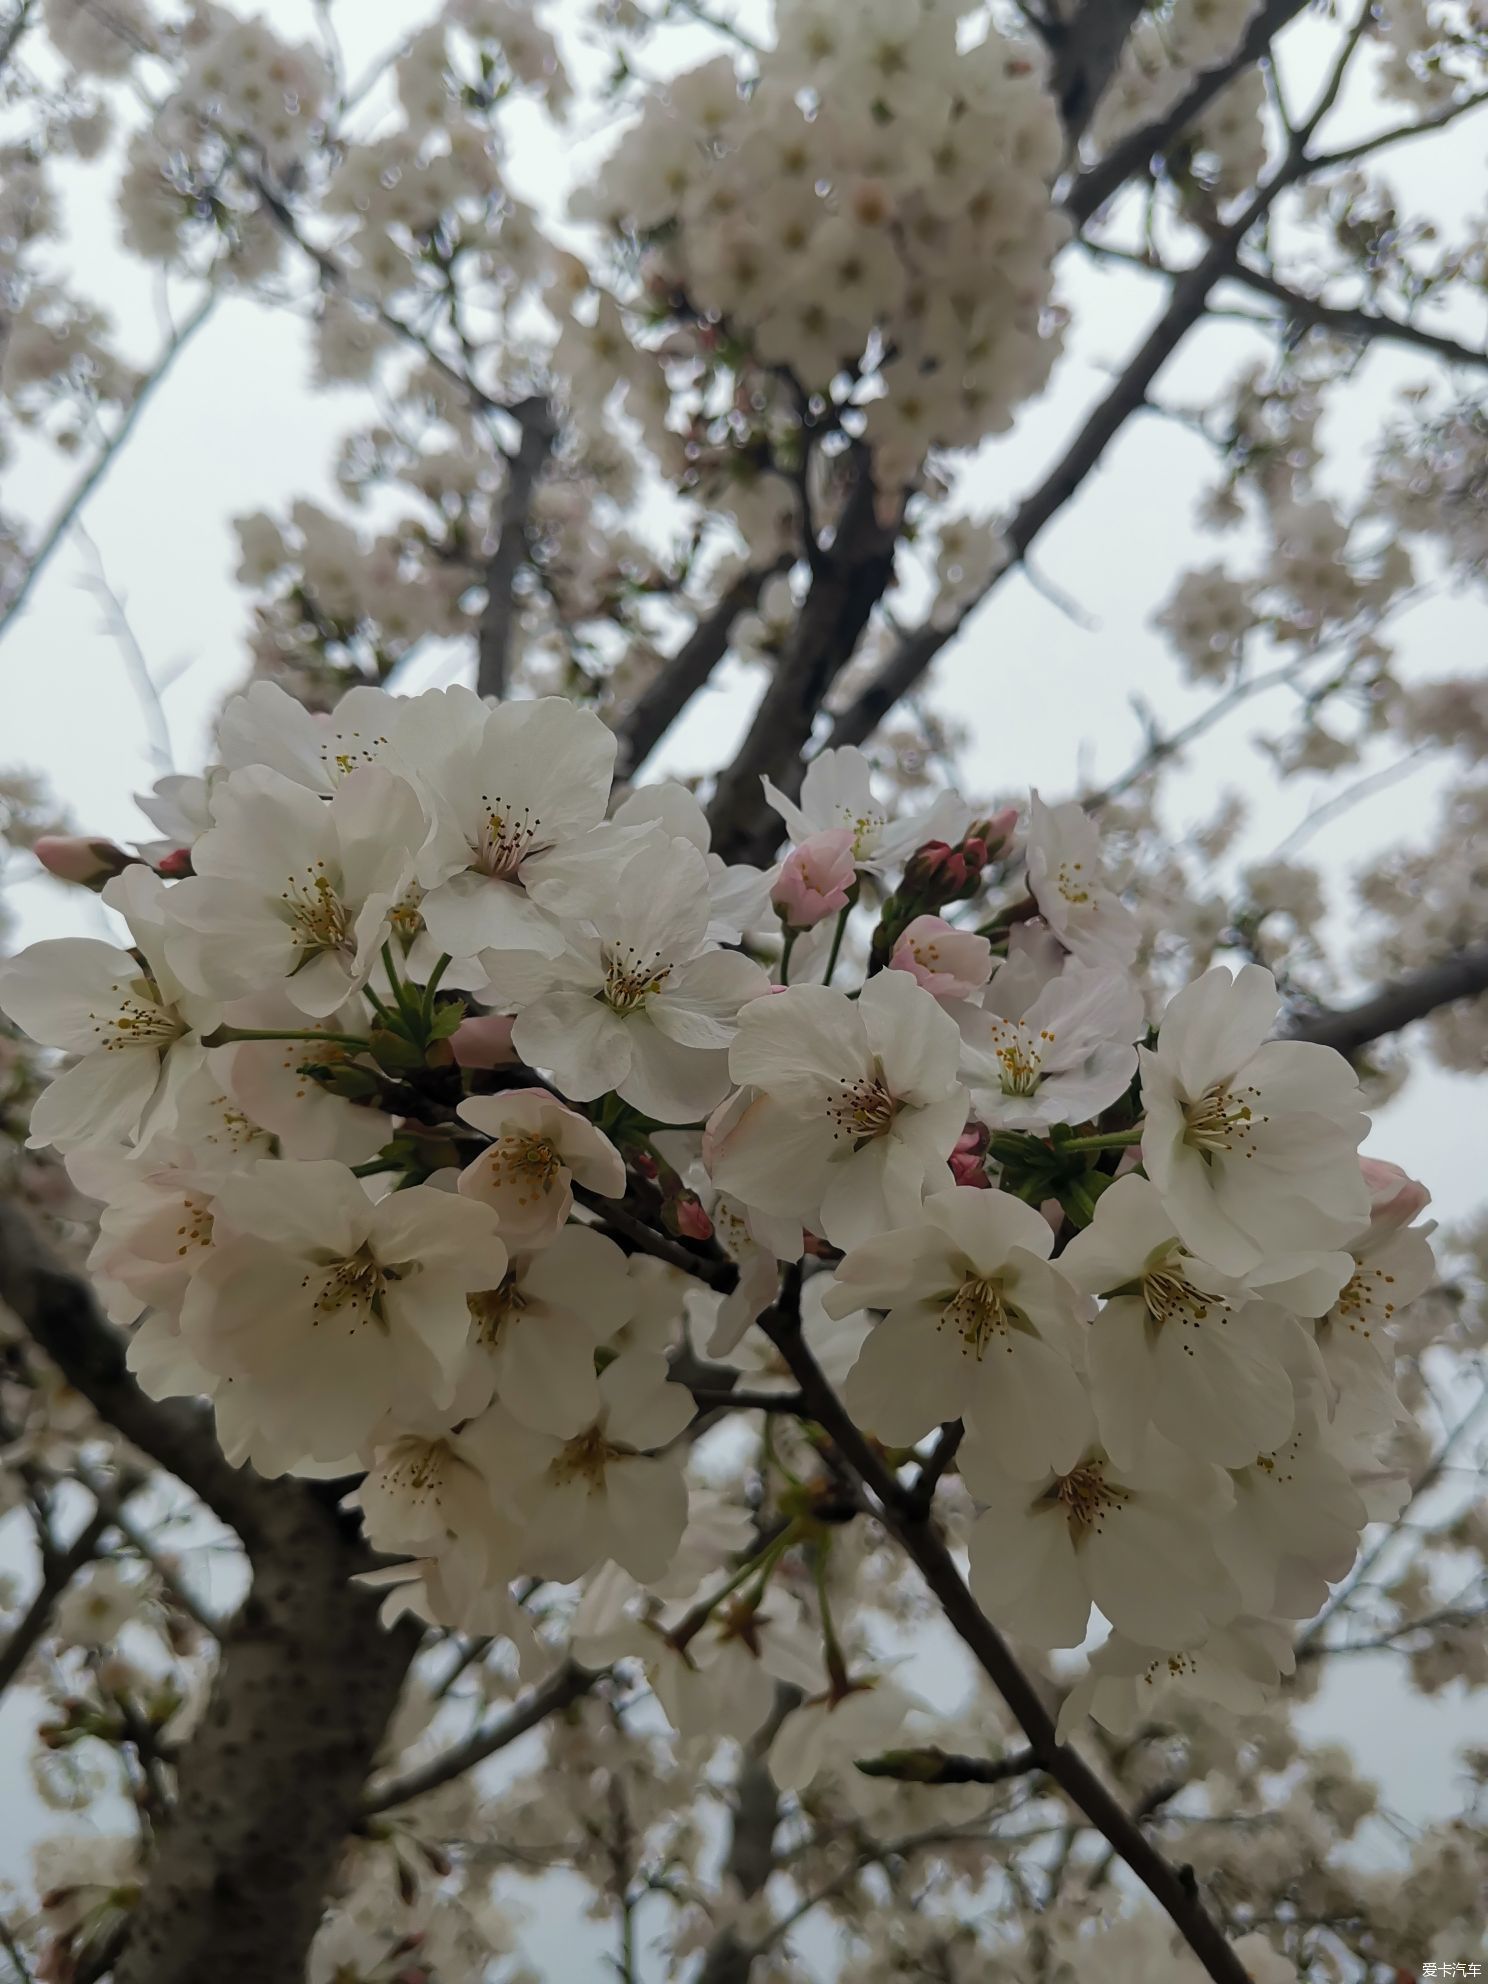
(271,1784)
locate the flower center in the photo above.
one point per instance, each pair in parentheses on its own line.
(508,834)
(529,1166)
(317,916)
(1365,1300)
(1020,1055)
(140,1020)
(1071,883)
(1222,1120)
(352,1290)
(861,1111)
(585,1458)
(1172,1298)
(978,1312)
(491,1309)
(631,977)
(1086,1497)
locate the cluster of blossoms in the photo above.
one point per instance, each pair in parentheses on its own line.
(867,209)
(420,1055)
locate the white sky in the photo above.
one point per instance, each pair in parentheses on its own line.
(1047,702)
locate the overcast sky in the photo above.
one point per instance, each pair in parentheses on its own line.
(1047,700)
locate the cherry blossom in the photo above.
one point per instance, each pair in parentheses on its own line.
(1066,878)
(527,1171)
(330,1309)
(1252,1142)
(977,1322)
(856,1110)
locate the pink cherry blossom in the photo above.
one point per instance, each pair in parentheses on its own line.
(948,962)
(814,879)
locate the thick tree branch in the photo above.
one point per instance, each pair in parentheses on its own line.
(270,1786)
(848,582)
(750,1859)
(1086,50)
(1174,1890)
(1414,997)
(687,672)
(534,418)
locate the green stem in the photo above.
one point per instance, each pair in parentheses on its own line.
(837,936)
(400,990)
(763,1561)
(433,985)
(226,1035)
(1113,1140)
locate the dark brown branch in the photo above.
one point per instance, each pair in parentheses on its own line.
(750,1859)
(932,1766)
(1086,51)
(1363,325)
(1174,1890)
(34,1624)
(1133,153)
(534,418)
(1414,997)
(1190,294)
(848,582)
(686,673)
(563,1688)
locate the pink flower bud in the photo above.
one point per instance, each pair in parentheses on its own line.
(692,1222)
(814,879)
(1394,1196)
(174,865)
(90,863)
(997,829)
(948,962)
(484,1042)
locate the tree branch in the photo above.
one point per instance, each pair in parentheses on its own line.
(56,1576)
(1363,325)
(1414,997)
(848,582)
(103,461)
(1176,1891)
(687,672)
(534,417)
(569,1683)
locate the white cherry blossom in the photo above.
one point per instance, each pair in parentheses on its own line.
(1252,1142)
(331,1310)
(638,1002)
(294,891)
(537,1150)
(603,1493)
(837,792)
(1066,878)
(856,1106)
(506,786)
(535,1333)
(977,1322)
(1061,1058)
(133,1027)
(1134,1541)
(1177,1345)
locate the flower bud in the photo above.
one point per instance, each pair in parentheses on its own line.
(1394,1196)
(484,1042)
(89,863)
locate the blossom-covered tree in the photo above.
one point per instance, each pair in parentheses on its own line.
(833,1312)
